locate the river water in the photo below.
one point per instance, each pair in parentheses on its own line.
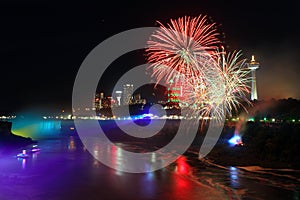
(64,169)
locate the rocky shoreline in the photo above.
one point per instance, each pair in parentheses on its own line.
(10,141)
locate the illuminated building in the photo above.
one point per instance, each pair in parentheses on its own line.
(174,93)
(113,102)
(253,65)
(119,96)
(137,99)
(101,96)
(127,93)
(98,100)
(106,102)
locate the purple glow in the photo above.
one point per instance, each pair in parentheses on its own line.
(23,154)
(34,149)
(23,163)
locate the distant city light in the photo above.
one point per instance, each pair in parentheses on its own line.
(8,117)
(251,119)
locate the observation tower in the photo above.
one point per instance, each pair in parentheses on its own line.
(253,66)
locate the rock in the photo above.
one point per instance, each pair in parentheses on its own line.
(9,141)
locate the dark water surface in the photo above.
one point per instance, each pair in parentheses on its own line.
(64,169)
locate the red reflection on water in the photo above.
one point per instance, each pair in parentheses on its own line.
(116,158)
(181,184)
(182,167)
(72,146)
(182,188)
(113,156)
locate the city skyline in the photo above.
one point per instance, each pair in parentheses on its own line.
(186,100)
(44,43)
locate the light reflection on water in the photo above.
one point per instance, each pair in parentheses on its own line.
(32,159)
(55,158)
(23,162)
(72,146)
(116,156)
(234,177)
(182,167)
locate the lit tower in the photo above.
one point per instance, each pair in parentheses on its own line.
(253,65)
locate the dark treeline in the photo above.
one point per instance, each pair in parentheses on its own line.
(282,110)
(268,145)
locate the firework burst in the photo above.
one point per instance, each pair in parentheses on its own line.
(185,51)
(178,44)
(236,80)
(226,85)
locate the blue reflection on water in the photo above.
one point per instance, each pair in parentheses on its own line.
(234,177)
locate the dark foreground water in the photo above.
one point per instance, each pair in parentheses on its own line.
(64,169)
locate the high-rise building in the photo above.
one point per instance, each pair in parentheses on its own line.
(119,96)
(107,102)
(253,66)
(127,93)
(98,100)
(137,97)
(101,96)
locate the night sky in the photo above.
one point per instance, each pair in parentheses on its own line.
(43,42)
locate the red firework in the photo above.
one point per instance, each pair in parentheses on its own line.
(180,44)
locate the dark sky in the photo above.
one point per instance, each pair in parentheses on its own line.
(43,42)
